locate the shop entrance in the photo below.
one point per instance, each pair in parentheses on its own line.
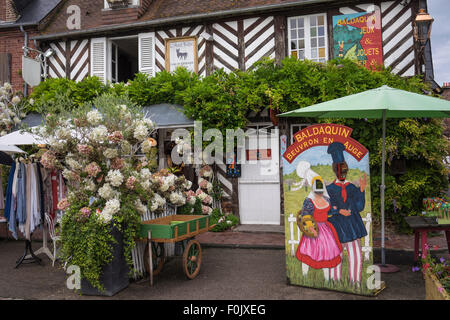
(259,185)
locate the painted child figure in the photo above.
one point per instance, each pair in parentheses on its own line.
(320,247)
(349,201)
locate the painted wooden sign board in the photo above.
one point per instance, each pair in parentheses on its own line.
(358,37)
(327,209)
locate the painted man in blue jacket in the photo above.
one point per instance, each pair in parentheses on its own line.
(349,201)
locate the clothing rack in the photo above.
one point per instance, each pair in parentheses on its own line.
(29,255)
(31,258)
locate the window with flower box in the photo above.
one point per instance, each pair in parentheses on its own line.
(308,37)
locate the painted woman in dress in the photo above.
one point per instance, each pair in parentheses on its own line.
(319,245)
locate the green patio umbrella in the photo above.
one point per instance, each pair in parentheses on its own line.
(380,103)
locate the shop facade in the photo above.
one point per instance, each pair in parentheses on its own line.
(114,43)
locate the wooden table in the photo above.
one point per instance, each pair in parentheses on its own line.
(422,225)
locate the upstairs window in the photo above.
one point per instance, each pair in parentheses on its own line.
(308,37)
(113,4)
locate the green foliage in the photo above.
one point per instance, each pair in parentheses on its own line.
(61,94)
(164,87)
(87,245)
(224,100)
(223,222)
(188,208)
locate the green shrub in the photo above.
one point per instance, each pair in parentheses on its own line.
(164,87)
(223,222)
(195,209)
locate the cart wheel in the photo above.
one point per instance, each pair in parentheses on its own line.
(158,257)
(192,259)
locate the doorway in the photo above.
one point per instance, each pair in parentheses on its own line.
(259,184)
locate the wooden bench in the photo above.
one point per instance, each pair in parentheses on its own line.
(423,225)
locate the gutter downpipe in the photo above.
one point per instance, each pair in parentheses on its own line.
(162,21)
(25,87)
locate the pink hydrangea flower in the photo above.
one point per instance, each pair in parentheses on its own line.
(131,182)
(204,184)
(207,200)
(48,160)
(84,149)
(206,210)
(117,163)
(92,169)
(116,136)
(63,204)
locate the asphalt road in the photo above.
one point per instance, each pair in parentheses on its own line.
(226,274)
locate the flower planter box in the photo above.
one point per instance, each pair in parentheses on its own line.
(432,286)
(114,275)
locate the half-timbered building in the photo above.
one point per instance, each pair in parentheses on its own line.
(116,39)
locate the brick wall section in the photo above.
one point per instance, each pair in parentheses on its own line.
(12,41)
(123,15)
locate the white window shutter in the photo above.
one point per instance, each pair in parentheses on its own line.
(147,53)
(98,58)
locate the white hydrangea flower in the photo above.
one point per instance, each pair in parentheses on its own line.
(145,174)
(177,198)
(107,192)
(187,184)
(90,185)
(140,207)
(114,177)
(192,200)
(202,196)
(112,206)
(141,132)
(73,164)
(110,153)
(157,202)
(94,117)
(105,217)
(99,133)
(15,100)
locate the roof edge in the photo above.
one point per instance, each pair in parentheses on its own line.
(191,17)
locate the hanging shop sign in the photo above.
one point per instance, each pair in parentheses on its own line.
(358,37)
(327,203)
(182,52)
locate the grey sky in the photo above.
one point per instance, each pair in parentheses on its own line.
(440,39)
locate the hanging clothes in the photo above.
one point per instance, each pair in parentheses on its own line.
(9,191)
(2,197)
(54,176)
(29,196)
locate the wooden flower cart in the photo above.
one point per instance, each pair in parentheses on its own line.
(171,229)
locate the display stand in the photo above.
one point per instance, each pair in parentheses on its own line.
(44,249)
(25,259)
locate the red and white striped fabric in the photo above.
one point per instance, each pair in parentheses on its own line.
(354,262)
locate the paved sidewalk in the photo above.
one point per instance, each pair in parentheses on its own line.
(268,235)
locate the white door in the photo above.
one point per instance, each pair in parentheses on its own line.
(259,184)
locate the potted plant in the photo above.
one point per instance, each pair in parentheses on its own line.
(109,187)
(437,278)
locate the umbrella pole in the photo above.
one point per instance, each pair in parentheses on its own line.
(382,187)
(385,268)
